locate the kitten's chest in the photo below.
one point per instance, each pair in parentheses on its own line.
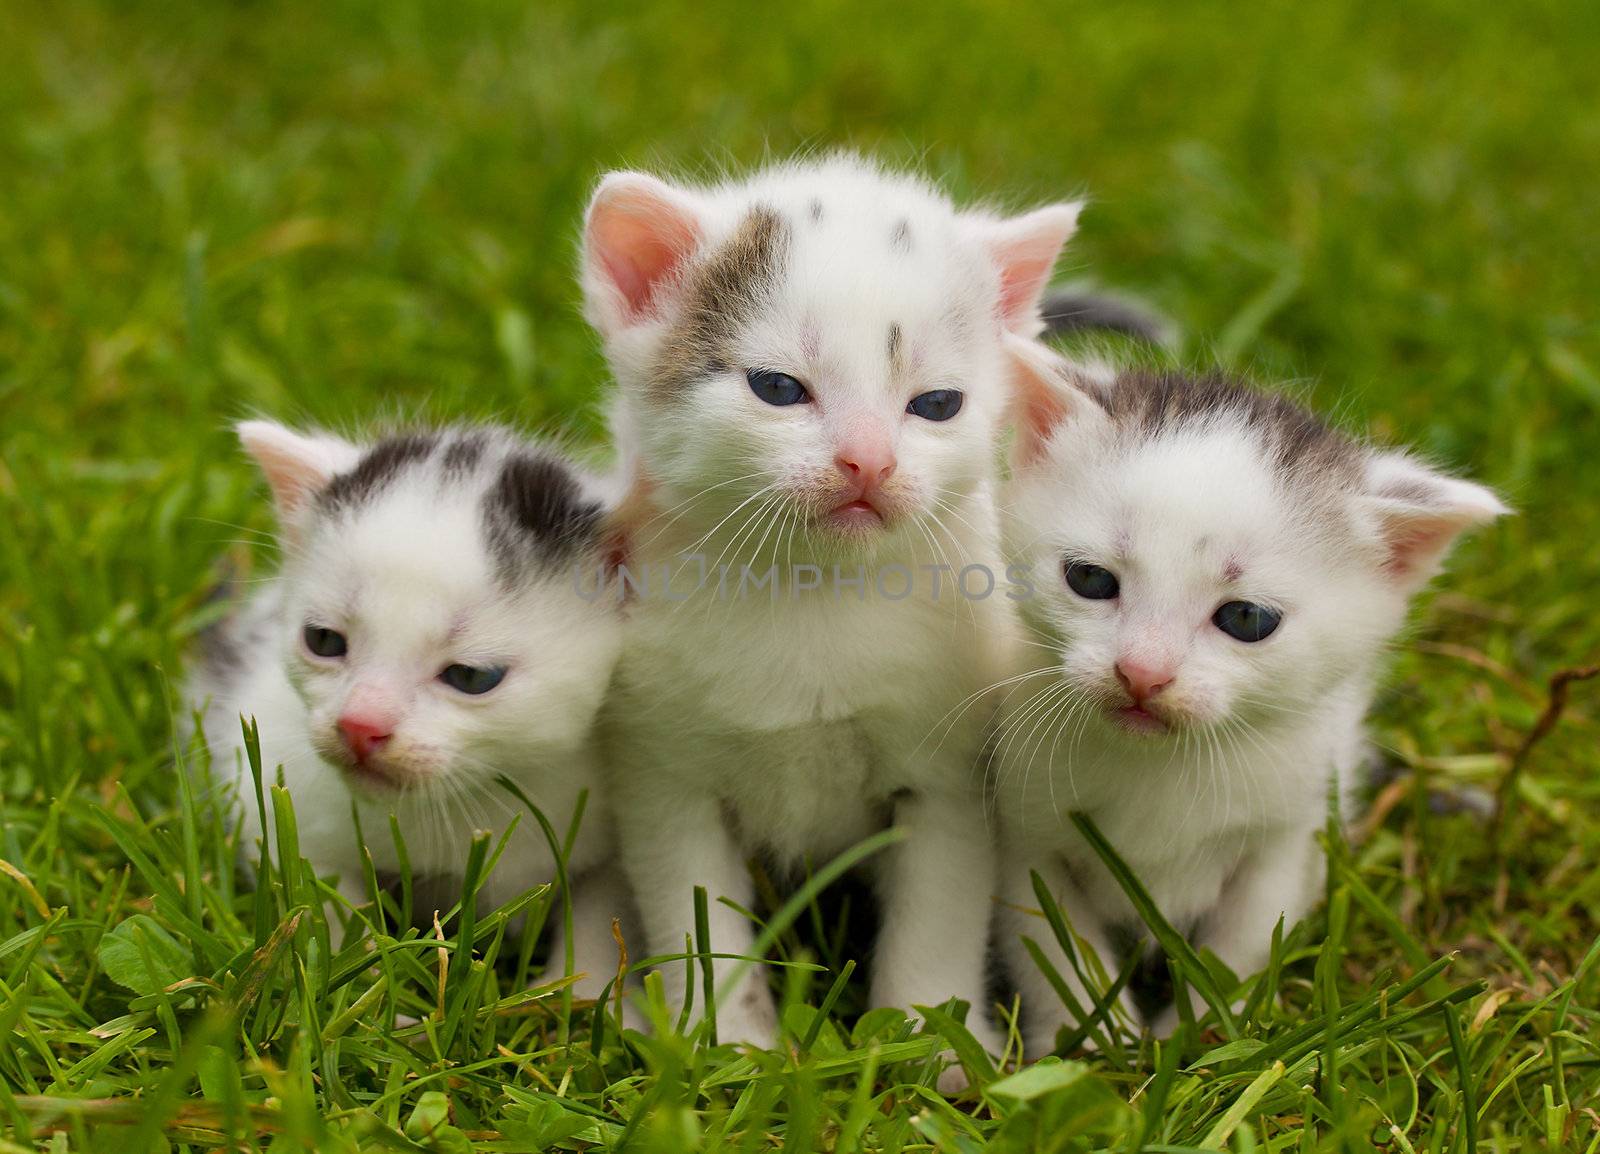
(776,666)
(812,790)
(1183,825)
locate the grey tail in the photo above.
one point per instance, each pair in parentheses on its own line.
(1072,310)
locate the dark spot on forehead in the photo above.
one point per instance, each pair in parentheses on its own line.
(895,342)
(462,454)
(814,211)
(729,285)
(536,515)
(900,236)
(377,470)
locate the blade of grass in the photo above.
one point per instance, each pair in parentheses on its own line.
(1175,944)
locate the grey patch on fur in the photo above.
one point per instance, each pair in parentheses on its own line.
(723,289)
(226,648)
(1071,311)
(377,470)
(900,237)
(957,321)
(1404,489)
(1150,984)
(896,338)
(1300,444)
(814,211)
(462,454)
(536,515)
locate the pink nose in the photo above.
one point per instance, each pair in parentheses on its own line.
(1143,681)
(363,735)
(866,466)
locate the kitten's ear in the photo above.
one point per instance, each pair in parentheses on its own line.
(1024,249)
(638,232)
(297,466)
(1421,512)
(625,521)
(1044,397)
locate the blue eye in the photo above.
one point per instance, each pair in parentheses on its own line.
(472,679)
(1246,620)
(1092,581)
(939,405)
(776,388)
(325,642)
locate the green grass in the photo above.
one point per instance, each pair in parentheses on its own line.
(333,211)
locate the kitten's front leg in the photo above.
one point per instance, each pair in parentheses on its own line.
(671,841)
(1277,879)
(598,897)
(352,887)
(936,892)
(1043,1012)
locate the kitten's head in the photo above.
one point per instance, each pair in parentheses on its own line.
(822,342)
(431,622)
(1208,555)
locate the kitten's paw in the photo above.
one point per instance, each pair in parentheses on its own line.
(633,1018)
(1039,1042)
(750,1019)
(1165,1024)
(953,1078)
(986,1035)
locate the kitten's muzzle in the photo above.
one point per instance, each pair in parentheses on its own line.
(860,504)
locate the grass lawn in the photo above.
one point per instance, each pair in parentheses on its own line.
(334,211)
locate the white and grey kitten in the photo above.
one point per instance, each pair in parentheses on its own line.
(1218,574)
(812,367)
(424,636)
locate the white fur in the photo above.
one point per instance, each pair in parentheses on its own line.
(1218,815)
(408,580)
(795,728)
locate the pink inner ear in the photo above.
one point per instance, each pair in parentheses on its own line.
(295,466)
(639,238)
(1021,282)
(1416,541)
(1041,403)
(1042,411)
(1026,253)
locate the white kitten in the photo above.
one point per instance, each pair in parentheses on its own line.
(425,636)
(811,370)
(1218,574)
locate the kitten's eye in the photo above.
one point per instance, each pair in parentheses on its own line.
(1246,620)
(776,388)
(325,642)
(472,679)
(939,405)
(1092,581)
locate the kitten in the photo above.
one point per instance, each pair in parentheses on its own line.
(423,637)
(812,372)
(1218,573)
